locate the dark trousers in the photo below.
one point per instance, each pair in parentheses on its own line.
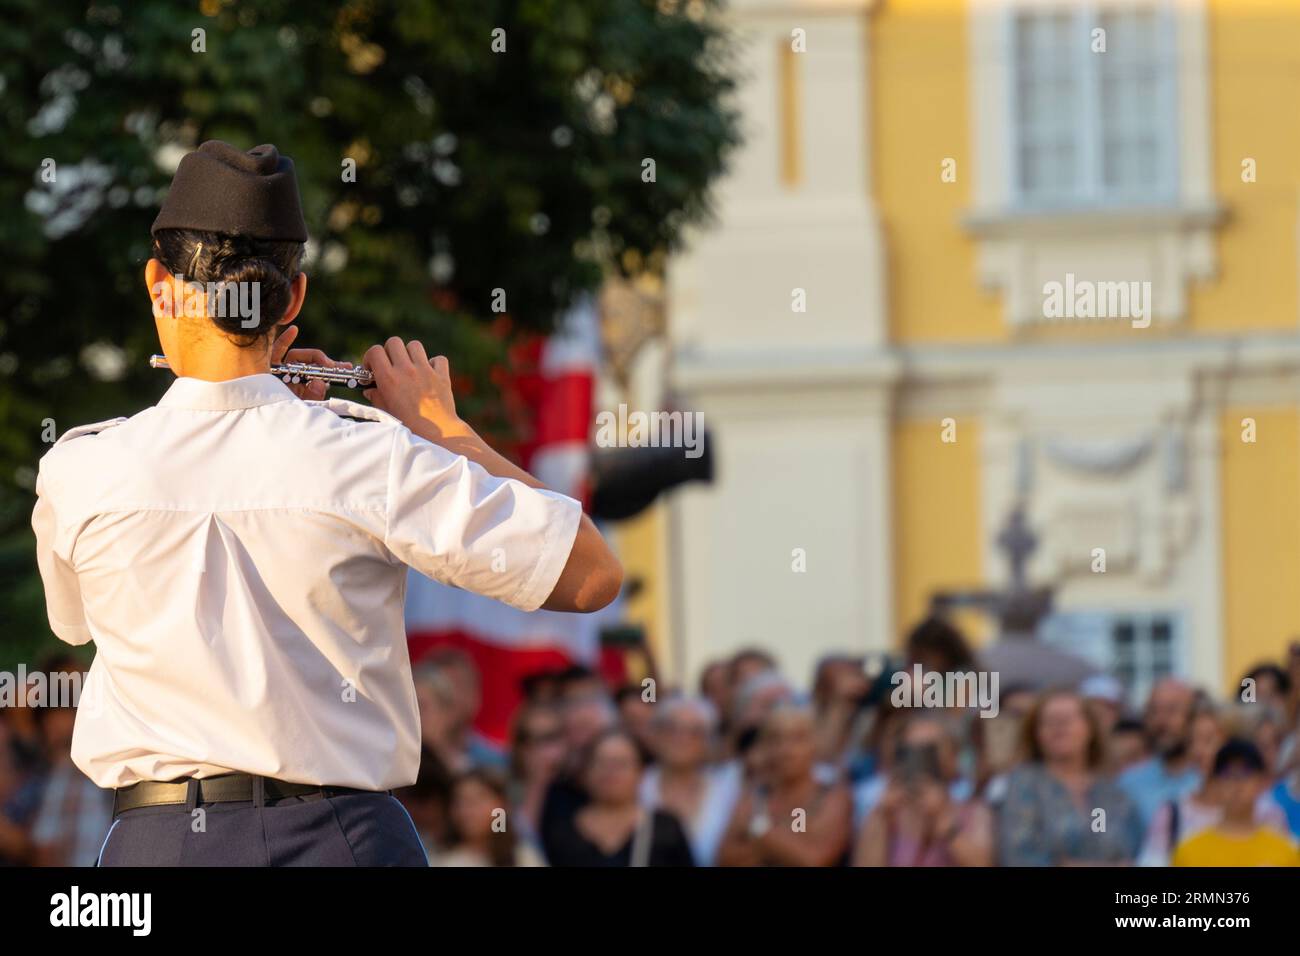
(355,829)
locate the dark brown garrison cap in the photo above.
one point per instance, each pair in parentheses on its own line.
(217,188)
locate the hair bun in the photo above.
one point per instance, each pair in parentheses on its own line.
(249,297)
(249,281)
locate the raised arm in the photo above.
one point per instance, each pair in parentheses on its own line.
(417,391)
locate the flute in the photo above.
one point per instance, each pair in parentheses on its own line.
(295,373)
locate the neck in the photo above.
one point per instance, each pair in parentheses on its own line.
(794,784)
(222,363)
(1237,822)
(1068,766)
(614,808)
(680,773)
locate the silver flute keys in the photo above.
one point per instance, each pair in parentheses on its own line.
(295,373)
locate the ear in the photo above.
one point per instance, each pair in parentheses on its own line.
(297,292)
(158,281)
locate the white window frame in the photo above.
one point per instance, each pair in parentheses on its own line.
(1089,192)
(1091,634)
(1168,239)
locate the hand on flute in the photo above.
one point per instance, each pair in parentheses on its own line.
(313,391)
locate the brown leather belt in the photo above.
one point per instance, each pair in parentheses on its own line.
(226,788)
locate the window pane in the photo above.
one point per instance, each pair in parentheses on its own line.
(1047,94)
(1125,644)
(1130,110)
(1162,648)
(1088,125)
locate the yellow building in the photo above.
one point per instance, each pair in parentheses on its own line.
(981,252)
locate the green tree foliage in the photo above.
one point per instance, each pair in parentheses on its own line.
(499,145)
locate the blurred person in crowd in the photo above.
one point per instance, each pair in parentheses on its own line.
(441,718)
(578,682)
(750,757)
(882,722)
(999,742)
(1238,778)
(1104,696)
(480,832)
(1293,681)
(755,698)
(746,664)
(537,751)
(1286,794)
(467,694)
(700,796)
(427,801)
(1168,774)
(839,687)
(716,689)
(794,819)
(1126,746)
(612,828)
(1265,726)
(1183,818)
(543,687)
(937,645)
(584,719)
(911,732)
(1049,816)
(926,815)
(20,797)
(26,740)
(635,713)
(1268,684)
(74,815)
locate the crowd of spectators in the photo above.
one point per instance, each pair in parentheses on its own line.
(748,770)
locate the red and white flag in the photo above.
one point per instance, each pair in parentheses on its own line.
(508,645)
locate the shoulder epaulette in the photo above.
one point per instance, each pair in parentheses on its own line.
(83,430)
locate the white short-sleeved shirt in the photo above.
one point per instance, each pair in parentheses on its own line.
(239,558)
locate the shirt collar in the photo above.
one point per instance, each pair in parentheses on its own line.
(230,395)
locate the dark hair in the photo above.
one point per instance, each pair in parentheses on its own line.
(575,674)
(214,257)
(612,733)
(1238,752)
(1128,725)
(936,636)
(501,843)
(746,740)
(519,733)
(748,655)
(1274,671)
(627,692)
(433,779)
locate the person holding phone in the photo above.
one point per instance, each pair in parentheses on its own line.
(239,552)
(919,821)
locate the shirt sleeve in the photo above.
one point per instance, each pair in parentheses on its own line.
(62,591)
(453,521)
